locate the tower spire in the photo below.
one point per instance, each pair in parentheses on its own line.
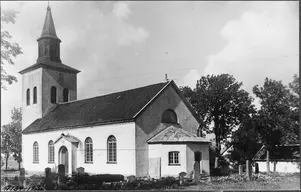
(49,43)
(48,28)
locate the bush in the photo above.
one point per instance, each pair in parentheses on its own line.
(216,172)
(98,179)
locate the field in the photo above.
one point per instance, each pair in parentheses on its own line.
(259,182)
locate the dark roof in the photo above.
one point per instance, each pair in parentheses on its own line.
(280,153)
(48,28)
(112,108)
(50,65)
(176,134)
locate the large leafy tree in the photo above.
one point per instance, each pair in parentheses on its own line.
(9,50)
(221,104)
(245,142)
(273,120)
(295,113)
(6,145)
(12,143)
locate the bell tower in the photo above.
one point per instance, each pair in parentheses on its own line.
(48,82)
(49,43)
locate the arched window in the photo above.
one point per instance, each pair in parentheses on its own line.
(35,152)
(173,158)
(27,97)
(53,94)
(50,152)
(88,150)
(65,95)
(35,95)
(169,116)
(112,153)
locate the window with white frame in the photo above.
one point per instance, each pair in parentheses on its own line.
(51,152)
(112,153)
(173,158)
(35,152)
(88,150)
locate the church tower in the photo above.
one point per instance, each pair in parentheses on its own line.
(48,82)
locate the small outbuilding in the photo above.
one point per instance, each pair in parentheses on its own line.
(285,159)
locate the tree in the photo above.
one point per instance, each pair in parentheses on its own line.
(273,119)
(245,143)
(6,145)
(8,49)
(220,101)
(294,104)
(13,137)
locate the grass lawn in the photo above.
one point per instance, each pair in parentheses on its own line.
(259,182)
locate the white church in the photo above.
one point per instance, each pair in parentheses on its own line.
(147,131)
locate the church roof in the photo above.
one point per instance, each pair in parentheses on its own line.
(176,134)
(112,108)
(50,65)
(48,28)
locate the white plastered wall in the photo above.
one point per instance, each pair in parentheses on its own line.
(124,134)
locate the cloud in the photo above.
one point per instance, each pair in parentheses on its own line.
(190,78)
(90,38)
(127,34)
(121,9)
(260,44)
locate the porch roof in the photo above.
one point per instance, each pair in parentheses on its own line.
(176,134)
(69,138)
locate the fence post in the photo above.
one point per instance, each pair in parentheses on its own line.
(216,162)
(240,169)
(248,170)
(256,168)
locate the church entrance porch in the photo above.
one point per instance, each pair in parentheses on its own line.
(63,158)
(66,152)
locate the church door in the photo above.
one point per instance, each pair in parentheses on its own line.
(63,157)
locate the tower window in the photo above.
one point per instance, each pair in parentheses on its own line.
(27,97)
(53,94)
(169,116)
(65,95)
(35,95)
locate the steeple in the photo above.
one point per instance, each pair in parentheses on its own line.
(49,43)
(49,29)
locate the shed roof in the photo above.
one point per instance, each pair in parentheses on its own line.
(279,153)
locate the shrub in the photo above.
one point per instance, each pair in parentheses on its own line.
(216,172)
(96,179)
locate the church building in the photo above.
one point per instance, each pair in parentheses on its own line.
(146,131)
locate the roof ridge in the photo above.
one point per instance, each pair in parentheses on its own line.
(78,100)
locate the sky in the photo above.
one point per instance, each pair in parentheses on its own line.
(119,45)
